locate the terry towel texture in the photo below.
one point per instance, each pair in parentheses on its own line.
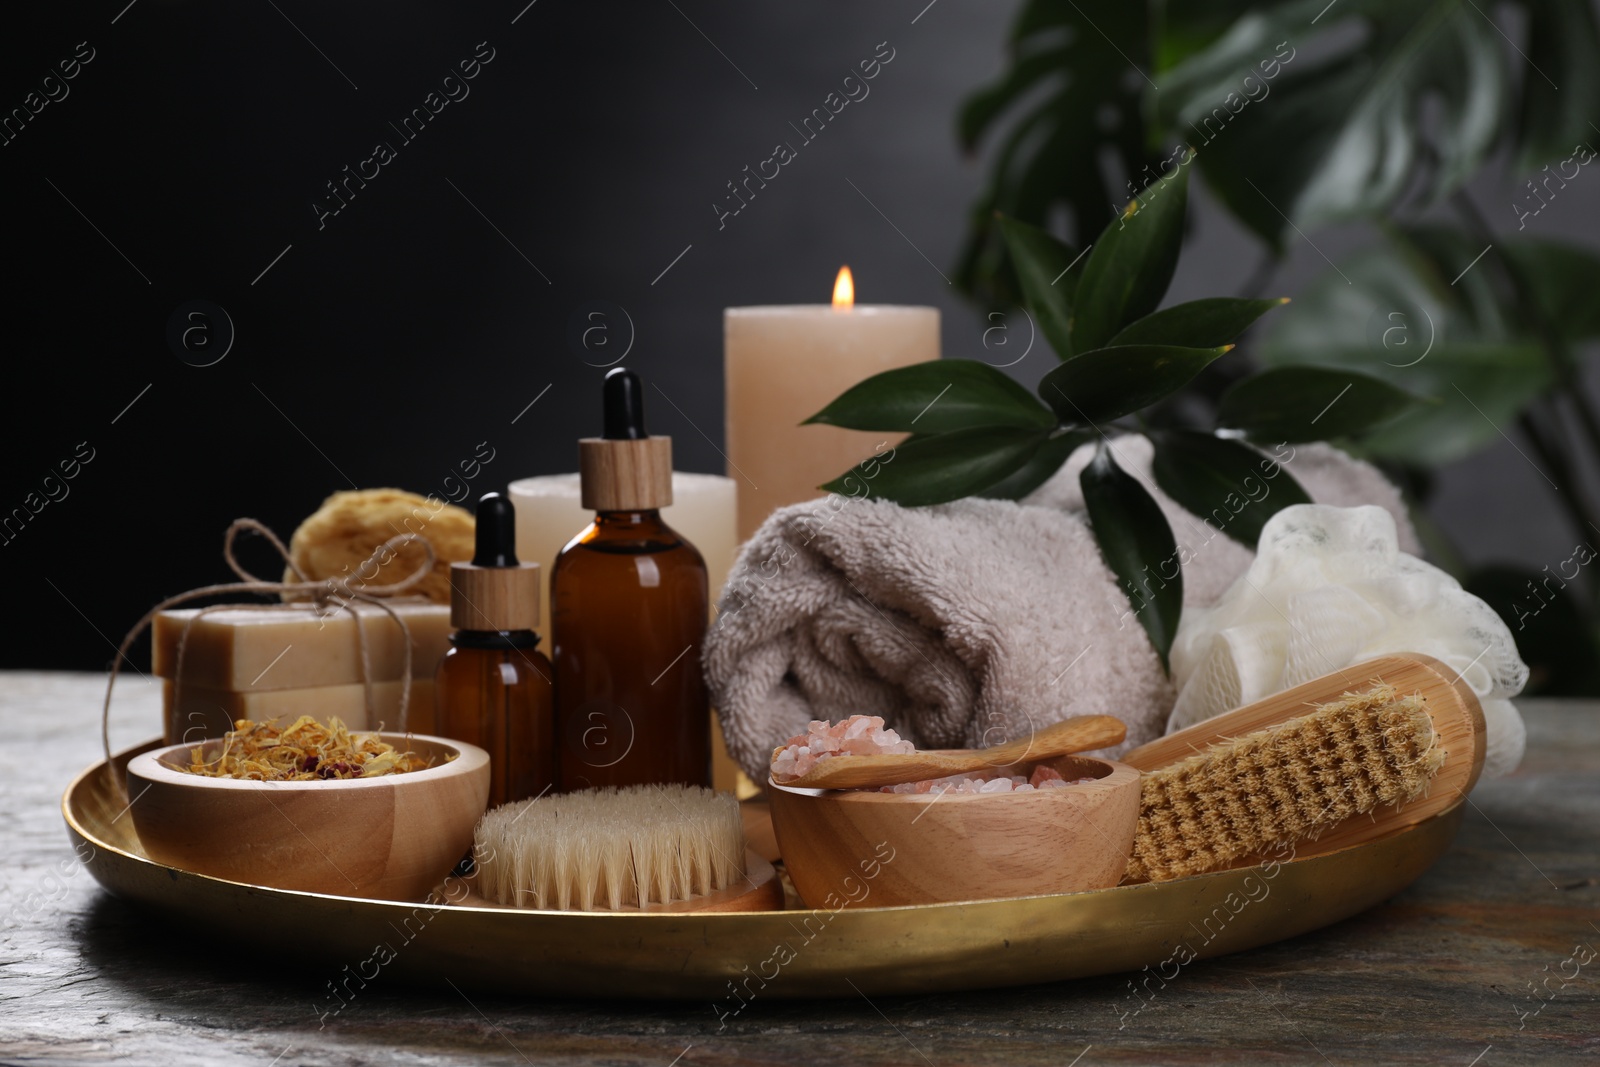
(970,623)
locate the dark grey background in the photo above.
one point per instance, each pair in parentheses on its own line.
(382,348)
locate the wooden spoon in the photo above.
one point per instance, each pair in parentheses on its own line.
(1078,734)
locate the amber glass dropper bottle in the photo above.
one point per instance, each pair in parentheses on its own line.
(628,608)
(493,687)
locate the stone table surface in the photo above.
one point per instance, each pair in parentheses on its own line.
(1490,958)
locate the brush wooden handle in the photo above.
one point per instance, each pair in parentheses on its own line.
(1078,734)
(1452,705)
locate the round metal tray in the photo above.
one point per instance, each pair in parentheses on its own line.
(728,958)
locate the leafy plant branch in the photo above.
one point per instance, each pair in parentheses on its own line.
(977,432)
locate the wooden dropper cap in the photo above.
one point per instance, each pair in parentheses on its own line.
(494,591)
(625,469)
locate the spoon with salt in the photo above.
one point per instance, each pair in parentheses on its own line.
(1077,734)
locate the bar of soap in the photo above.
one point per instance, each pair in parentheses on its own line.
(203,713)
(247,647)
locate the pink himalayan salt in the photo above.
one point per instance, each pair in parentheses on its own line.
(865,735)
(1042,778)
(859,735)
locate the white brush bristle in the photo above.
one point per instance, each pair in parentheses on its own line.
(613,848)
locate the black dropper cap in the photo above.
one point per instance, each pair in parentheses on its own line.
(496,532)
(494,592)
(625,469)
(622,399)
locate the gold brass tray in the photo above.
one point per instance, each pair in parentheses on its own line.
(731,957)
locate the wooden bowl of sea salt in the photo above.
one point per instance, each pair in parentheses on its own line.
(866,848)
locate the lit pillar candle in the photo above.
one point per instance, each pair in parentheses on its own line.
(783,365)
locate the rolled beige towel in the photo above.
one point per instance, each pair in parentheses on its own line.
(968,623)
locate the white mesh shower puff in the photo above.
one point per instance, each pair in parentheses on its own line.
(1330,587)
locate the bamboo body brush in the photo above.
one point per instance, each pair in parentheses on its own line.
(1406,744)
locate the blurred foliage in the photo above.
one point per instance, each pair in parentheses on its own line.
(1301,114)
(1373,102)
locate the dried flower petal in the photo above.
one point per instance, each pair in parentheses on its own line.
(305,752)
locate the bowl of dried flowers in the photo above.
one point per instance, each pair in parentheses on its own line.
(312,807)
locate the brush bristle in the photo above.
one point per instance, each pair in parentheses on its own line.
(1283,784)
(613,848)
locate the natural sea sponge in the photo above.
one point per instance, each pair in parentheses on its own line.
(349,526)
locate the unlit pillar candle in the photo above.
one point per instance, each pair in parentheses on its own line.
(549,515)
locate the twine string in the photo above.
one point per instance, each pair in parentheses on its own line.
(323,596)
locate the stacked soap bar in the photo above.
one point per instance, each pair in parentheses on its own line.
(304,662)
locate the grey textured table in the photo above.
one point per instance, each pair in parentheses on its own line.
(1445,973)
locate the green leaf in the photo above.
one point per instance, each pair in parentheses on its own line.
(1561,45)
(1296,404)
(934,397)
(943,467)
(1564,280)
(1390,311)
(1198,323)
(1131,263)
(1069,100)
(1342,113)
(1045,462)
(1137,544)
(984,268)
(1048,286)
(1229,484)
(1183,30)
(1449,263)
(1107,383)
(980,110)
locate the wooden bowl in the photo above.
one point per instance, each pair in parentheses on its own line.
(857,848)
(391,837)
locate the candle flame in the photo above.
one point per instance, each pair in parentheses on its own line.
(844,291)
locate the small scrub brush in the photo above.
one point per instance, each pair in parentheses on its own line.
(641,846)
(1283,784)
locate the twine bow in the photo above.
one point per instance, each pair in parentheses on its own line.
(323,596)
